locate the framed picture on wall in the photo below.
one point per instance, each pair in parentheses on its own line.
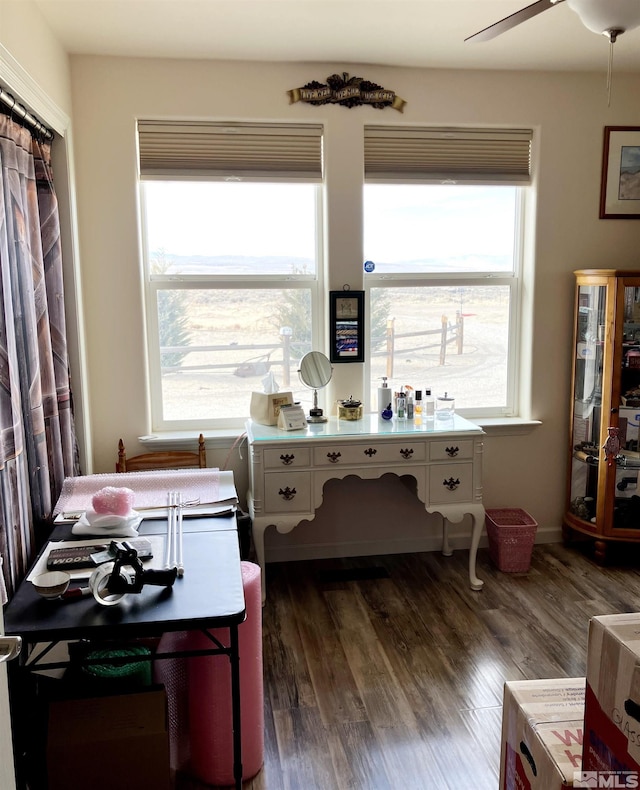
(346,326)
(620,188)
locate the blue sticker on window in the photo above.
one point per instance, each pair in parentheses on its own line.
(369,266)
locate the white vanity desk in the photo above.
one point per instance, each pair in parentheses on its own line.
(288,470)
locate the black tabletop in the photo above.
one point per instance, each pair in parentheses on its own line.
(210,594)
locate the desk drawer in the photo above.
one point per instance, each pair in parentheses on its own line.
(370,453)
(450,483)
(289,492)
(287,457)
(441,451)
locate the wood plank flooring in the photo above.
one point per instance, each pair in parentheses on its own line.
(396,683)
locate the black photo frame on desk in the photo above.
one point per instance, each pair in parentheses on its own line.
(346,326)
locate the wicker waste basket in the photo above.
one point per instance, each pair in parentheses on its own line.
(511,533)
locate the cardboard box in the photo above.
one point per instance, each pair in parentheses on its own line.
(612,700)
(542,729)
(102,743)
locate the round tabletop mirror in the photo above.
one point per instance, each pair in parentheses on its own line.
(315,372)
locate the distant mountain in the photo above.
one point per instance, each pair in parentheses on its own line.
(272,264)
(236,264)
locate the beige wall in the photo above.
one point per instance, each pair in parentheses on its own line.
(27,38)
(568,112)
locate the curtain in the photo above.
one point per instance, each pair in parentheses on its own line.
(37,438)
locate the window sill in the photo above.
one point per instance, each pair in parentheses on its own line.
(222,437)
(506,426)
(225,437)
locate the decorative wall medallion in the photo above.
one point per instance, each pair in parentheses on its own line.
(347,91)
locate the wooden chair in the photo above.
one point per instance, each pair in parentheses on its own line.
(161,460)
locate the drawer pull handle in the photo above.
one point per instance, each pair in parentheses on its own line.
(452,451)
(371,451)
(333,457)
(451,484)
(406,454)
(287,459)
(287,493)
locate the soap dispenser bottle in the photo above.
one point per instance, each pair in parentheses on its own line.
(384,395)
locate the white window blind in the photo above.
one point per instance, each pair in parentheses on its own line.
(247,151)
(434,155)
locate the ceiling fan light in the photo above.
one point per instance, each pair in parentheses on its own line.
(601,16)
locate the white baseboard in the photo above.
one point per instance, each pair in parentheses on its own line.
(317,551)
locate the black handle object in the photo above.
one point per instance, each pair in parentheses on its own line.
(161,578)
(528,757)
(632,709)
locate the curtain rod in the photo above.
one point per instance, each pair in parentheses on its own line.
(30,120)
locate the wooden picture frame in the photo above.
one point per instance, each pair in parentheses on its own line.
(346,326)
(620,186)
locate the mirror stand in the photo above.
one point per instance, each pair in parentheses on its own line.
(316,414)
(315,373)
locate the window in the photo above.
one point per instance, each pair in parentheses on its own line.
(443,217)
(231,268)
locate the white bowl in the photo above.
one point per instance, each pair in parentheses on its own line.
(52,583)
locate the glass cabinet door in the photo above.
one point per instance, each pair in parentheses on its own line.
(626,512)
(587,406)
(603,490)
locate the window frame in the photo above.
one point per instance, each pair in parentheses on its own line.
(153,283)
(512,280)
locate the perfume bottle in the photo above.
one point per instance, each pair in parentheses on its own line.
(417,408)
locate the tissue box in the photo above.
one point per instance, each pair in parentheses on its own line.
(265,406)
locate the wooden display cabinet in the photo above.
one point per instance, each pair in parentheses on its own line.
(603,494)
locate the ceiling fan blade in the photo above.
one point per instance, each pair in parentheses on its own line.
(513,19)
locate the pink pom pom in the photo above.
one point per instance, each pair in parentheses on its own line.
(117,501)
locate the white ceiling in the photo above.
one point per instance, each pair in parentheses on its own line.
(421,33)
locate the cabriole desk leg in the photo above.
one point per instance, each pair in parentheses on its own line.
(455,514)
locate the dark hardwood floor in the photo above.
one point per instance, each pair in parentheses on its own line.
(388,672)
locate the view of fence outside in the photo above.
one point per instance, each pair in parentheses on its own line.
(231,340)
(216,342)
(235,338)
(474,368)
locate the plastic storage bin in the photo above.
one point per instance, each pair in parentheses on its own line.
(511,533)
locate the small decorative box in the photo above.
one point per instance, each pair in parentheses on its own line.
(350,409)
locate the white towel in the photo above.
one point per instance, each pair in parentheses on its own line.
(92,523)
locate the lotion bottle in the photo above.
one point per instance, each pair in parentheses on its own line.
(384,396)
(429,406)
(401,406)
(410,405)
